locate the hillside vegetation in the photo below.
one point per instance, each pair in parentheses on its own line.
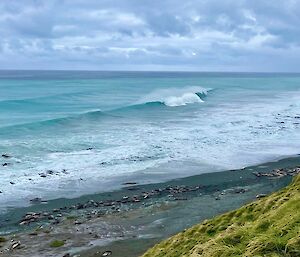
(267,227)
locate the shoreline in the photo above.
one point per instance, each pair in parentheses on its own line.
(117,221)
(268,226)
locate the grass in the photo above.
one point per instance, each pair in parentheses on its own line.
(57,243)
(2,240)
(268,227)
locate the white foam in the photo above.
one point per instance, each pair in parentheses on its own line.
(227,135)
(187,98)
(175,96)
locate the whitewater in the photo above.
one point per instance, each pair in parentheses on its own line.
(66,134)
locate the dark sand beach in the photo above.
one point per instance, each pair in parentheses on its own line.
(127,222)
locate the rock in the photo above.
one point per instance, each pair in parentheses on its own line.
(257,174)
(67,255)
(42,175)
(30,217)
(50,172)
(79,206)
(278,173)
(240,190)
(107,253)
(129,183)
(55,222)
(51,217)
(15,245)
(135,199)
(36,200)
(260,196)
(180,199)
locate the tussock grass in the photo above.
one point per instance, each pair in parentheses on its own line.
(57,243)
(268,227)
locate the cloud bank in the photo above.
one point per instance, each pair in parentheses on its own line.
(191,35)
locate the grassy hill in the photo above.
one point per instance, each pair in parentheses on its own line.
(267,227)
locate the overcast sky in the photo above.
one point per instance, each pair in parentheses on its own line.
(195,35)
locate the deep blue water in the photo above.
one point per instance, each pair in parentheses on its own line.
(95,129)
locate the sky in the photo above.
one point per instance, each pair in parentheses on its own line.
(160,35)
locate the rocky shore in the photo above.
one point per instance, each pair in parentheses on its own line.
(173,193)
(70,229)
(278,173)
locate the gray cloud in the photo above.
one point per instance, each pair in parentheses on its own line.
(258,35)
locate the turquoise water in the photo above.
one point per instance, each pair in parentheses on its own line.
(95,130)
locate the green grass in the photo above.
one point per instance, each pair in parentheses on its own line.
(2,240)
(268,227)
(57,243)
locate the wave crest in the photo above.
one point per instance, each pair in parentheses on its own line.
(176,96)
(169,97)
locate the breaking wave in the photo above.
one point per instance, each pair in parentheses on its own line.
(176,96)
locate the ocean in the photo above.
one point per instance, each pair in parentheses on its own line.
(71,133)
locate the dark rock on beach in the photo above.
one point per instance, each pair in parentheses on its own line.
(50,172)
(260,196)
(36,200)
(15,245)
(107,253)
(129,183)
(277,173)
(240,191)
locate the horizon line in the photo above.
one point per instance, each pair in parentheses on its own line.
(160,71)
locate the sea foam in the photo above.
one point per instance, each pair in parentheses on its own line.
(176,96)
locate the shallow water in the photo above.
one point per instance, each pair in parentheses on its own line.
(94,130)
